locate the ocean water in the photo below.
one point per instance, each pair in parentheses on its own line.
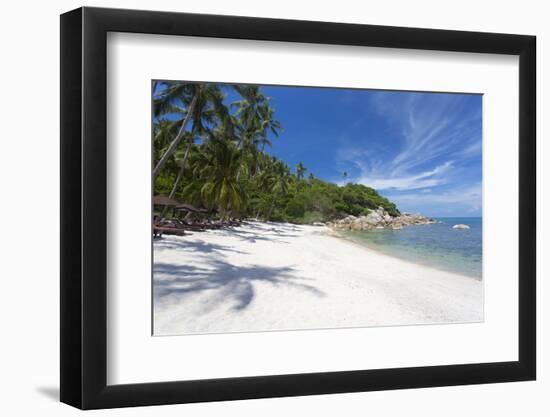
(437,245)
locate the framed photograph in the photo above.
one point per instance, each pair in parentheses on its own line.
(259,208)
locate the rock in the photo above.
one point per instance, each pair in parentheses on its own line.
(318,224)
(461,226)
(378,219)
(356,226)
(348,219)
(374,218)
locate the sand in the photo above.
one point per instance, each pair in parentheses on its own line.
(273,276)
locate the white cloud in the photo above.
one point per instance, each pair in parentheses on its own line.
(473,149)
(412,182)
(424,130)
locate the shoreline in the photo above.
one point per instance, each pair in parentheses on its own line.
(366,246)
(280,276)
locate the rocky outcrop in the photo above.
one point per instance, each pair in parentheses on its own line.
(461,226)
(379,219)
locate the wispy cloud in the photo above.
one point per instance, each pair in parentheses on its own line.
(412,182)
(473,149)
(429,142)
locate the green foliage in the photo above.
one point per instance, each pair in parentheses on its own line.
(312,217)
(358,197)
(221,189)
(322,201)
(295,208)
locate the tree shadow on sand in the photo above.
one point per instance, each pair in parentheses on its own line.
(228,282)
(251,237)
(254,232)
(195,246)
(274,229)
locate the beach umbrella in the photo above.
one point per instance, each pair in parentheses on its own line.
(163,200)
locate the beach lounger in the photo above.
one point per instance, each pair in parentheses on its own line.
(169,230)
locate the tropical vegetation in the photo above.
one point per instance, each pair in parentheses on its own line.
(212,152)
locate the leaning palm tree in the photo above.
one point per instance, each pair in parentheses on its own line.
(175,102)
(181,160)
(202,102)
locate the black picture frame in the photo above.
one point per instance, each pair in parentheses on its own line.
(84,207)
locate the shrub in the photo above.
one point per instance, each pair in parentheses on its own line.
(295,208)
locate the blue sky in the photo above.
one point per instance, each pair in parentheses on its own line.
(421,150)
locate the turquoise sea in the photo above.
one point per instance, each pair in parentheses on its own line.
(437,245)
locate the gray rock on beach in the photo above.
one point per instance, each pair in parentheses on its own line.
(374,218)
(379,219)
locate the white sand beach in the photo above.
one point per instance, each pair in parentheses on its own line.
(273,276)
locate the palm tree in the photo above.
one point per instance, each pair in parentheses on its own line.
(230,151)
(254,120)
(221,186)
(266,124)
(163,133)
(300,170)
(276,179)
(248,111)
(204,103)
(169,102)
(182,164)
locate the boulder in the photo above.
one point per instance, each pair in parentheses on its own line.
(374,218)
(461,226)
(348,219)
(356,226)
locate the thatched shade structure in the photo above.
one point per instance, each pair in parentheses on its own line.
(189,207)
(163,200)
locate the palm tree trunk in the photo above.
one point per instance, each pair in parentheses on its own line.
(178,178)
(240,144)
(171,149)
(182,169)
(271,208)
